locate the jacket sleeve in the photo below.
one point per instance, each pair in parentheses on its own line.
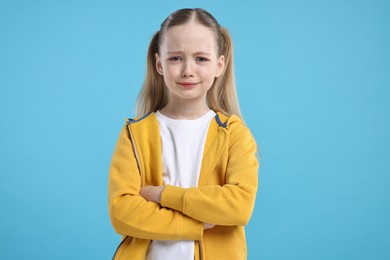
(231,203)
(131,214)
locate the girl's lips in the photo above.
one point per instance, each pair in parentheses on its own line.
(188,84)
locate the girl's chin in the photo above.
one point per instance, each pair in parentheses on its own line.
(188,97)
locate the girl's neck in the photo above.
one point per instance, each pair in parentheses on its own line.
(179,110)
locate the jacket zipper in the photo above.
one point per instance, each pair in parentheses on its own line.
(118,248)
(132,141)
(200,250)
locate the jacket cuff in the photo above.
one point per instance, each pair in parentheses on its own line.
(191,229)
(173,197)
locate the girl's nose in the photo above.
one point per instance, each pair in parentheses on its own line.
(187,70)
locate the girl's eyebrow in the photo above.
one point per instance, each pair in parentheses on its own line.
(196,53)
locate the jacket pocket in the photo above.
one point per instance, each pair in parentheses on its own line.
(224,242)
(240,237)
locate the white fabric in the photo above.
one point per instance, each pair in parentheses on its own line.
(182,150)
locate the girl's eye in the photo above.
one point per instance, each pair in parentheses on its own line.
(175,58)
(201,59)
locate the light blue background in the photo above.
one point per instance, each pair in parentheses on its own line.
(313,82)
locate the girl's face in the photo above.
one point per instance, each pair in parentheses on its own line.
(189,62)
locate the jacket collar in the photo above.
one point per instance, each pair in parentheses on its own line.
(220,119)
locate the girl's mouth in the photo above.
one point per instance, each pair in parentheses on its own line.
(188,84)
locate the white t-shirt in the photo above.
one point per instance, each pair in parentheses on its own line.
(182,150)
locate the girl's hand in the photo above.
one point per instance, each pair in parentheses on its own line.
(152,193)
(208,226)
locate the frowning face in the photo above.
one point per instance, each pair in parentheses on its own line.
(189,62)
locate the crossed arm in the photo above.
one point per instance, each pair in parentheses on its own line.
(174,213)
(153,193)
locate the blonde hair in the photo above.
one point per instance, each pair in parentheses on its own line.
(222,96)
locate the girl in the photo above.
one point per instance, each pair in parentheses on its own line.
(183,177)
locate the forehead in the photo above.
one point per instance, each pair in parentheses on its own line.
(190,36)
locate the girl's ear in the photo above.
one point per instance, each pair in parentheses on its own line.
(158,65)
(220,66)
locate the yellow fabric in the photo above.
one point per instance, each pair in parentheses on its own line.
(225,195)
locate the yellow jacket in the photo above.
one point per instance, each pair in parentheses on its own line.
(225,195)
